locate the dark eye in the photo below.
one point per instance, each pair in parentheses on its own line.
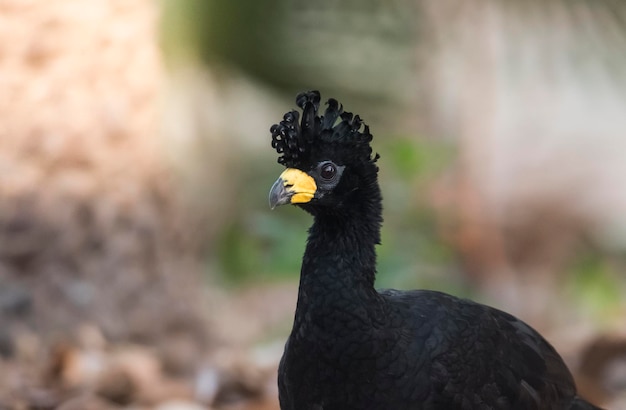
(328,171)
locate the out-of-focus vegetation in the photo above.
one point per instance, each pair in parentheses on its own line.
(360,49)
(597,285)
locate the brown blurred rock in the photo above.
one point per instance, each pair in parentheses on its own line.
(117,386)
(602,369)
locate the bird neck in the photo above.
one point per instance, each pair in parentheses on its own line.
(340,254)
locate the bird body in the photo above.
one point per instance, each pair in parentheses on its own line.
(355,348)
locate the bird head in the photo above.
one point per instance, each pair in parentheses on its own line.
(328,157)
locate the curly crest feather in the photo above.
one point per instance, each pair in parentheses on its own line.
(294,139)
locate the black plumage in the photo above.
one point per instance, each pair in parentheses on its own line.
(353,347)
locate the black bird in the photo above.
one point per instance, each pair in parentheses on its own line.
(355,348)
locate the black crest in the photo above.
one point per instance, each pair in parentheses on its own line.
(295,140)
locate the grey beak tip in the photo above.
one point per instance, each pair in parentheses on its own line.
(278,194)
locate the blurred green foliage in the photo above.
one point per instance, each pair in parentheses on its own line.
(363,48)
(243,34)
(595,284)
(409,236)
(260,245)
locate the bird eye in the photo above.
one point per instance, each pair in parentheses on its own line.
(328,171)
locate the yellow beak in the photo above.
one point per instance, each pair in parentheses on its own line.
(292,187)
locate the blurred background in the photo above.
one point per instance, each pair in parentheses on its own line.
(140,265)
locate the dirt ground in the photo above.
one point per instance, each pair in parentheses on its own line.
(91,372)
